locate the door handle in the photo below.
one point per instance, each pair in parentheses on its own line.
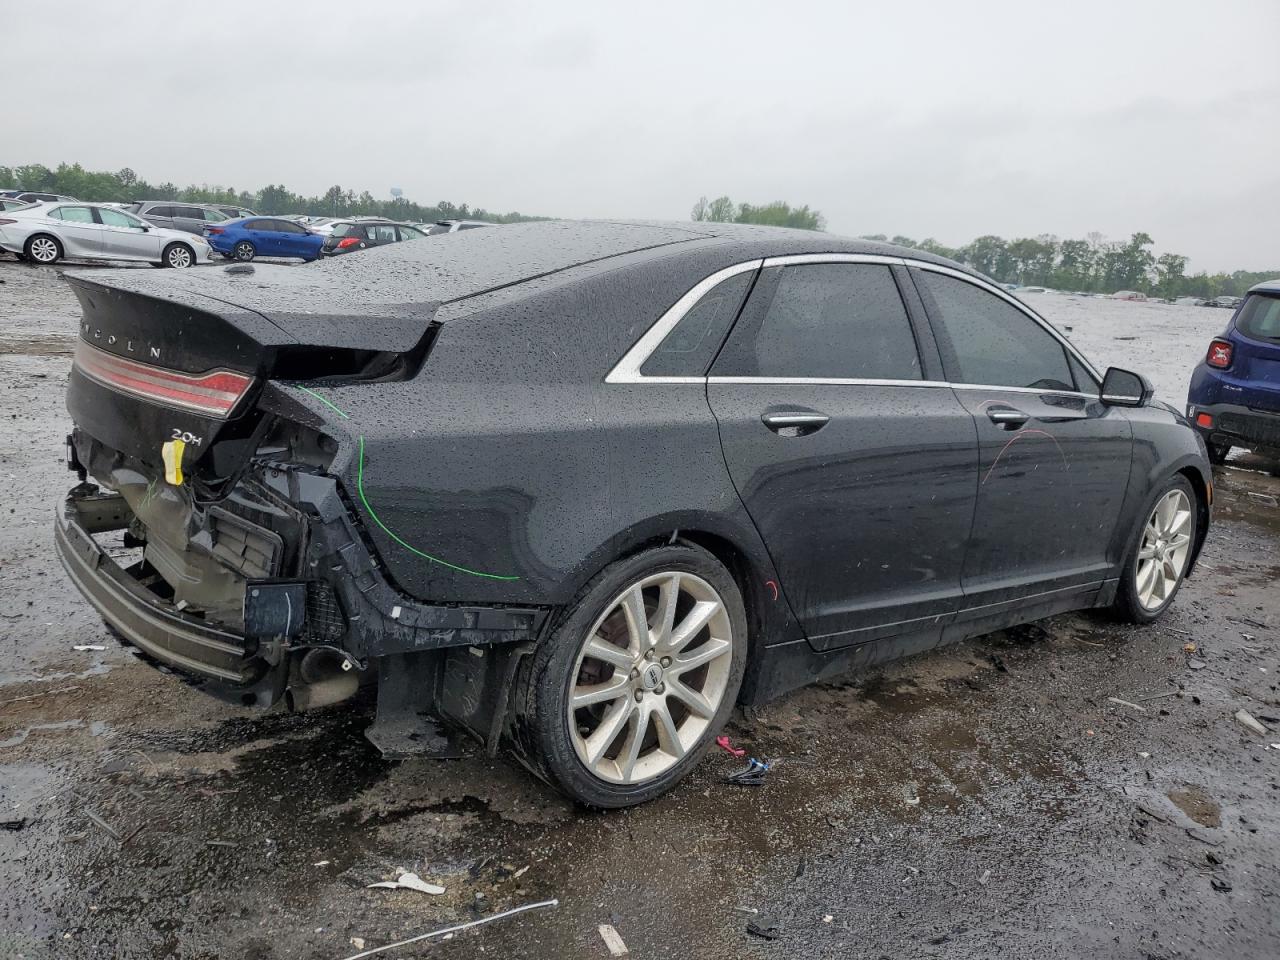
(794,423)
(1007,418)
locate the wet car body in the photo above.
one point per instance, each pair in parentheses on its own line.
(427,454)
(1234,396)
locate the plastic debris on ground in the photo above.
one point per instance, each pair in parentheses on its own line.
(724,744)
(613,940)
(752,775)
(764,929)
(1250,722)
(408,881)
(82,647)
(446,933)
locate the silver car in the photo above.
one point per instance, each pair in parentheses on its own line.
(47,232)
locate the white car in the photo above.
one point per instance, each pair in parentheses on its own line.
(46,233)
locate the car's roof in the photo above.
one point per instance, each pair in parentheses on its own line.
(1266,286)
(396,277)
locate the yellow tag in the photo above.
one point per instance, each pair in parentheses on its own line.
(172,454)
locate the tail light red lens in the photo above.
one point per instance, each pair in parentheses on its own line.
(1204,420)
(347,242)
(1219,354)
(213,394)
(212,230)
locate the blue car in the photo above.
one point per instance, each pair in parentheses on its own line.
(1234,400)
(251,237)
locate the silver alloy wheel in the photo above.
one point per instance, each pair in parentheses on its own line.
(179,256)
(1166,544)
(44,250)
(650,677)
(244,250)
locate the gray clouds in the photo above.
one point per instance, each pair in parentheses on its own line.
(928,119)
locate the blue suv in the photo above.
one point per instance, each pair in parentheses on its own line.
(252,237)
(1234,400)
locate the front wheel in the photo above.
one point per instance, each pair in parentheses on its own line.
(43,250)
(1158,558)
(638,678)
(178,256)
(244,251)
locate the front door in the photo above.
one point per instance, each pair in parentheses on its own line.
(858,472)
(1053,461)
(127,237)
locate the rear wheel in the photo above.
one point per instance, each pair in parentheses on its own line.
(1159,556)
(638,678)
(43,249)
(1218,453)
(179,256)
(244,251)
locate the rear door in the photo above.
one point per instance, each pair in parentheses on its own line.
(854,459)
(80,234)
(161,215)
(264,237)
(124,236)
(1053,459)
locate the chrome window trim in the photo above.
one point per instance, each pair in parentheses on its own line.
(831,381)
(627,370)
(1015,302)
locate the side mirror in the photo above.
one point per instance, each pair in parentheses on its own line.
(1124,388)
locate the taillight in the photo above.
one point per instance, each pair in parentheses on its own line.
(1219,354)
(212,230)
(213,394)
(346,242)
(1204,420)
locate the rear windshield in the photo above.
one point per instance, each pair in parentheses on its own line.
(1260,317)
(342,229)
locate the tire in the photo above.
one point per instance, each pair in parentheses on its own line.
(42,250)
(244,251)
(178,256)
(1138,600)
(1218,452)
(559,750)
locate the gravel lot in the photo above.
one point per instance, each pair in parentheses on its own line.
(985,800)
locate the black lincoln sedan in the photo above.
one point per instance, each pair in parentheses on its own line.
(580,488)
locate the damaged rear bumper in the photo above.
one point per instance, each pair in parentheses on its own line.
(348,607)
(155,627)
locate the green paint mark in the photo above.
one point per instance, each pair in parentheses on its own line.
(325,401)
(411,549)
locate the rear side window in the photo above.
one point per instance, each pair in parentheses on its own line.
(74,214)
(116,218)
(986,340)
(842,321)
(1260,317)
(160,212)
(691,345)
(383,233)
(258,225)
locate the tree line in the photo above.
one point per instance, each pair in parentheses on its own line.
(1091,265)
(125,186)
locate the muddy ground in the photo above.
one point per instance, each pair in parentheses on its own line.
(985,800)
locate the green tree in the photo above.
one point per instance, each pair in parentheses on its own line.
(990,255)
(1170,274)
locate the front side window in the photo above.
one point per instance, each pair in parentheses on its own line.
(114,218)
(986,340)
(842,321)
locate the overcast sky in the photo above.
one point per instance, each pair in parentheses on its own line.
(929,119)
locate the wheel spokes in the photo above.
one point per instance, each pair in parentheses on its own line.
(603,736)
(637,621)
(588,694)
(705,653)
(606,652)
(692,624)
(692,699)
(668,733)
